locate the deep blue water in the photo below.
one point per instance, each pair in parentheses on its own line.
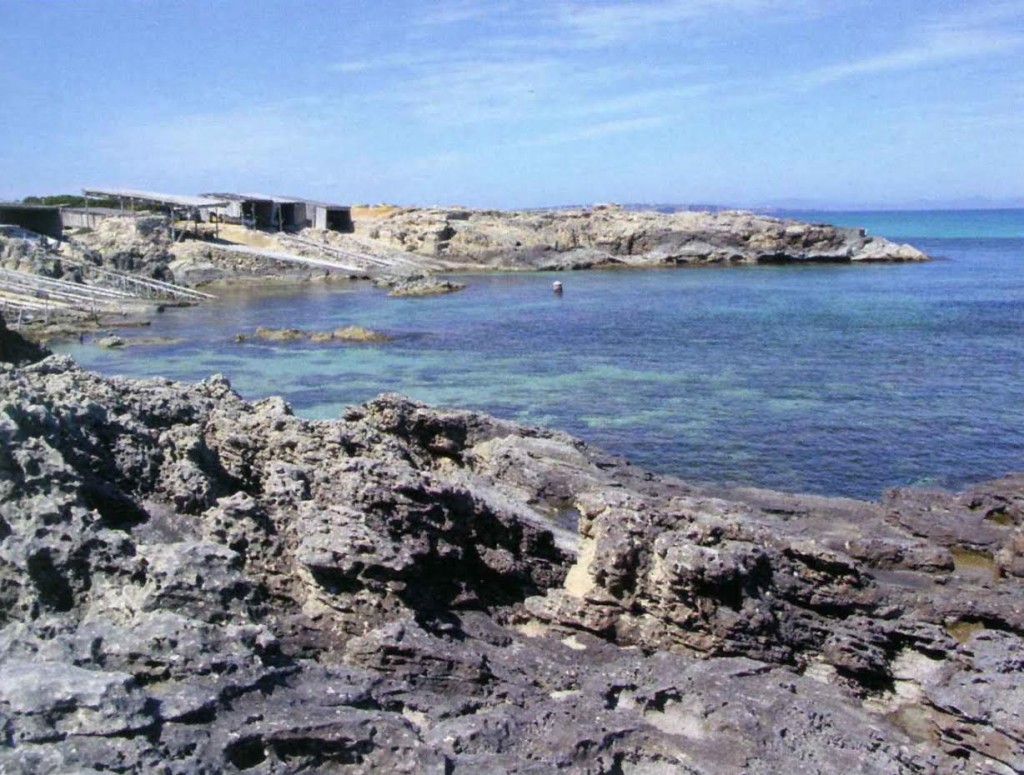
(834,379)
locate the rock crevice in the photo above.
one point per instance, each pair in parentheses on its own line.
(193,582)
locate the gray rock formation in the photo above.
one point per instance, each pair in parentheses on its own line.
(609,235)
(190,582)
(17,350)
(419,286)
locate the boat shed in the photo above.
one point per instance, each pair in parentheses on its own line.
(253,210)
(324,215)
(265,211)
(292,212)
(268,211)
(86,217)
(42,219)
(191,208)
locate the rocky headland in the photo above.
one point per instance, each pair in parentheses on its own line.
(190,582)
(400,248)
(610,235)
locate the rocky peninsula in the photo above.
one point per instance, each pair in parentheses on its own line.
(609,235)
(190,582)
(399,248)
(407,244)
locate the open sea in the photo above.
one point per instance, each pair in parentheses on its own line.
(833,379)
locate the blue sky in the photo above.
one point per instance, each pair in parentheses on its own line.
(838,103)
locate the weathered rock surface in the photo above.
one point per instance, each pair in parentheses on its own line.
(609,235)
(190,582)
(425,287)
(17,350)
(141,245)
(340,334)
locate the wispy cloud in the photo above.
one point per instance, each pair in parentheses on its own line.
(413,58)
(541,62)
(601,24)
(471,91)
(975,34)
(595,131)
(460,11)
(236,143)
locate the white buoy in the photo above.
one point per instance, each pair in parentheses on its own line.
(557,287)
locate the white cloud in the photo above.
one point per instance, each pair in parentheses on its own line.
(596,131)
(602,24)
(413,58)
(975,34)
(471,91)
(250,146)
(461,11)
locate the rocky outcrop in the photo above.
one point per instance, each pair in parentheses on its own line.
(419,286)
(17,350)
(609,235)
(192,582)
(137,244)
(357,334)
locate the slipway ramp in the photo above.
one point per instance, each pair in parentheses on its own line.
(291,258)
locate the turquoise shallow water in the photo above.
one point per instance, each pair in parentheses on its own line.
(918,224)
(833,379)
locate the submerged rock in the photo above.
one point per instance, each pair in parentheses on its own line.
(352,334)
(278,334)
(429,287)
(193,582)
(341,334)
(110,342)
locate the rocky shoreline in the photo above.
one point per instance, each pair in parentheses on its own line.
(191,582)
(610,235)
(403,249)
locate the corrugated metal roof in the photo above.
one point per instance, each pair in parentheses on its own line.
(94,210)
(239,197)
(316,203)
(278,199)
(259,198)
(155,196)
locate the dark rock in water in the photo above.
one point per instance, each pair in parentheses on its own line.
(428,287)
(16,349)
(340,334)
(110,342)
(190,582)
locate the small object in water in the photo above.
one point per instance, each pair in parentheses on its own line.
(556,286)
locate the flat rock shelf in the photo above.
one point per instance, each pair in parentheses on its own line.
(192,582)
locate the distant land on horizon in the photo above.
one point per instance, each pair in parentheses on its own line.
(793,204)
(971,203)
(806,205)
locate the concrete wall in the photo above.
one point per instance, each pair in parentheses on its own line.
(76,218)
(333,218)
(40,219)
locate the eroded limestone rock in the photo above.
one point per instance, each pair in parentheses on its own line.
(193,582)
(609,235)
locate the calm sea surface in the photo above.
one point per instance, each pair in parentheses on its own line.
(834,379)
